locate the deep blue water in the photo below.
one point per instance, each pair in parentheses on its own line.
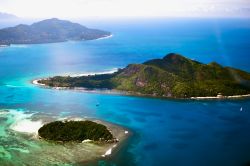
(165,132)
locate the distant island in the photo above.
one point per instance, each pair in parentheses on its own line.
(7,16)
(49,31)
(77,131)
(173,76)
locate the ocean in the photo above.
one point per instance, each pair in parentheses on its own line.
(163,131)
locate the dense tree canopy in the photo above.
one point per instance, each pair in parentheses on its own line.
(75,131)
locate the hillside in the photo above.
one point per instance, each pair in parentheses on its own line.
(48,31)
(172,76)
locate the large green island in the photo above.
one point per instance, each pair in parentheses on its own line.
(173,76)
(49,31)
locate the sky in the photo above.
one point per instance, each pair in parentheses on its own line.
(126,8)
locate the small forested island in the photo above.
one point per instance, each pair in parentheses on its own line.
(173,76)
(76,131)
(49,31)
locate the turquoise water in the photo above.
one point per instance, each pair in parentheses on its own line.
(165,132)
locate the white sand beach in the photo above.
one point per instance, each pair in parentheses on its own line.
(220,97)
(105,37)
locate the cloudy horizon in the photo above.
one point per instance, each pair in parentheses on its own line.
(128,8)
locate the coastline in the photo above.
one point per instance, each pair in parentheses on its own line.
(23,44)
(105,37)
(138,94)
(4,45)
(121,134)
(35,81)
(220,97)
(93,73)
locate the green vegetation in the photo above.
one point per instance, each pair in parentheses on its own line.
(173,76)
(48,31)
(75,131)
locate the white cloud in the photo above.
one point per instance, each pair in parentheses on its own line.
(113,8)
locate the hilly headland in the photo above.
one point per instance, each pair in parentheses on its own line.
(173,76)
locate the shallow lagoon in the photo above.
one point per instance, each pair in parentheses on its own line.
(165,132)
(22,146)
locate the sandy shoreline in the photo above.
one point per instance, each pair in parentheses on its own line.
(3,45)
(93,73)
(35,82)
(120,133)
(220,97)
(105,37)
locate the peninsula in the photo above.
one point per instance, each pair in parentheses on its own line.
(49,31)
(173,76)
